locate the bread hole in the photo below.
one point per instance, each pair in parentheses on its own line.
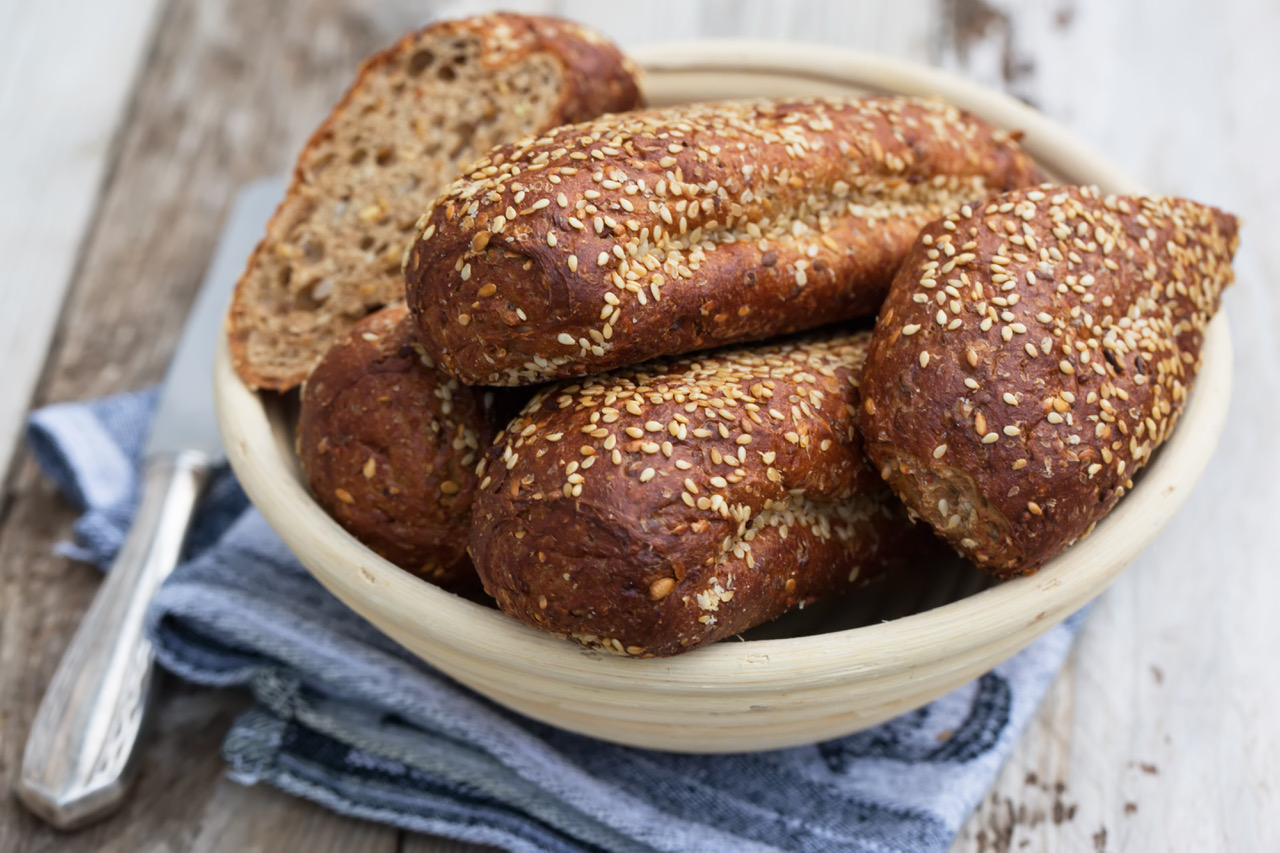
(357,156)
(284,276)
(322,163)
(366,242)
(465,134)
(446,73)
(420,62)
(306,298)
(386,156)
(323,290)
(313,252)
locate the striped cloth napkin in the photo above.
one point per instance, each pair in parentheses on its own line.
(348,719)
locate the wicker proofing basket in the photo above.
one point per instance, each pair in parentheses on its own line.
(760,693)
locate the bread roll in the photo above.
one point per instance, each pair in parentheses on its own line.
(646,234)
(389,447)
(1032,354)
(417,113)
(655,509)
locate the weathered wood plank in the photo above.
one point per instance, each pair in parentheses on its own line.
(1160,731)
(261,819)
(67,71)
(1162,734)
(229,92)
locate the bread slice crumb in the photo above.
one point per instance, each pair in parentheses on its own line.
(417,113)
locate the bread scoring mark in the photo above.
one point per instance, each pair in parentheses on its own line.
(668,188)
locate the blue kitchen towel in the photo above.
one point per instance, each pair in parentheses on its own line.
(347,718)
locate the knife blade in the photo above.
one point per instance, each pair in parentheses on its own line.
(82,746)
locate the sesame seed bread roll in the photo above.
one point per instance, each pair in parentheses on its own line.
(1032,354)
(658,233)
(417,113)
(389,445)
(655,509)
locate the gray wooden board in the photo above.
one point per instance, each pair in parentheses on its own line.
(1160,733)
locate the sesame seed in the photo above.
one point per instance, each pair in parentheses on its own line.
(647,474)
(939,451)
(910,329)
(566,339)
(990,438)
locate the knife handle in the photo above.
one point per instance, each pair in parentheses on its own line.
(80,750)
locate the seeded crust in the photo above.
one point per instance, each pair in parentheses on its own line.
(417,114)
(655,509)
(657,233)
(1032,355)
(389,446)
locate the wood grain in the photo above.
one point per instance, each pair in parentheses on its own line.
(68,114)
(1168,703)
(1162,733)
(229,93)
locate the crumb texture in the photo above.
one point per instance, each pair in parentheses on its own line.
(655,509)
(1033,352)
(657,233)
(418,113)
(389,446)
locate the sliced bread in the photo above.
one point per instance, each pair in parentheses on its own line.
(418,113)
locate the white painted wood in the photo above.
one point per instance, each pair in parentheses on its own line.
(901,29)
(1164,730)
(811,687)
(66,71)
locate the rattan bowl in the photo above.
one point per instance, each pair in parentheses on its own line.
(809,676)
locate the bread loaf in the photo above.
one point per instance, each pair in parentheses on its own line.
(655,509)
(417,113)
(389,445)
(1032,354)
(646,234)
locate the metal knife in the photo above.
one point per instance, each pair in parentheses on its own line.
(81,748)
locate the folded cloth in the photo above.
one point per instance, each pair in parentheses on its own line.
(350,720)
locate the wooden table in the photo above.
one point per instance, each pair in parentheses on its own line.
(127,127)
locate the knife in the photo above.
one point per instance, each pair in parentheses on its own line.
(81,748)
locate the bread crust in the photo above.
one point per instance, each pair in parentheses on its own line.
(596,78)
(389,445)
(657,233)
(655,509)
(1032,354)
